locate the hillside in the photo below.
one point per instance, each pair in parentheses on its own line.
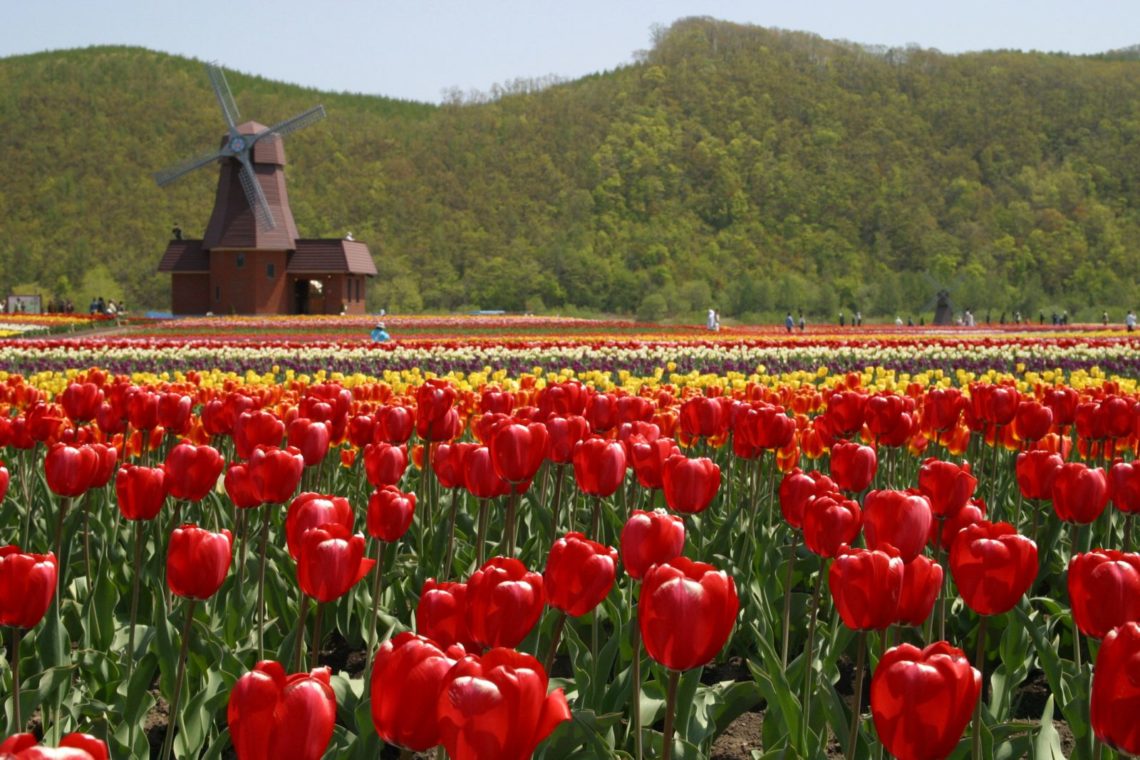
(755,169)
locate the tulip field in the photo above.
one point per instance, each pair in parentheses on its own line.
(501,538)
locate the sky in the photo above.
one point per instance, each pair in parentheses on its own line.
(423,49)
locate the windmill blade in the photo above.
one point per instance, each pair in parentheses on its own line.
(311,116)
(254,194)
(222,91)
(168,175)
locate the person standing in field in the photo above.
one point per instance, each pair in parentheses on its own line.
(789,323)
(1130,320)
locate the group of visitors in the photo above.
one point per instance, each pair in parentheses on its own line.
(108,308)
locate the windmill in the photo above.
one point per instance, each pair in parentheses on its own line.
(238,145)
(251,258)
(941,302)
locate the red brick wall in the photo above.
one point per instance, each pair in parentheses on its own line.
(248,288)
(189,293)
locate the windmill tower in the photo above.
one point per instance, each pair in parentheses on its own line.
(251,259)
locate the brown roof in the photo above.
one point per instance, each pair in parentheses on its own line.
(232,224)
(330,255)
(184,256)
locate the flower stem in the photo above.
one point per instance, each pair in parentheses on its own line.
(298,642)
(560,476)
(635,700)
(137,575)
(857,697)
(261,582)
(377,589)
(172,723)
(670,714)
(445,572)
(555,638)
(788,600)
(14,661)
(809,655)
(509,529)
(980,664)
(481,534)
(314,656)
(596,519)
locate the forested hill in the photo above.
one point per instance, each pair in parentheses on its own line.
(735,166)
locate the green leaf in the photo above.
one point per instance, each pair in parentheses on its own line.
(1047,745)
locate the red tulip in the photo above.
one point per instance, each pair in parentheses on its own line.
(310,438)
(197,561)
(579,574)
(562,399)
(1104,590)
(633,409)
(253,429)
(480,477)
(563,434)
(650,538)
(276,473)
(241,488)
(703,417)
(192,471)
(1035,471)
(689,484)
(948,486)
(407,678)
(853,466)
(173,412)
(81,401)
(495,707)
(1080,493)
(1032,421)
(1062,401)
(682,589)
(992,566)
(331,561)
(922,580)
(70,470)
(901,519)
(436,419)
(599,466)
(447,463)
(384,463)
(441,614)
(830,521)
(846,410)
(312,510)
(1123,486)
(361,428)
(504,601)
(517,451)
(768,427)
(108,458)
(140,491)
(71,747)
(272,715)
(601,411)
(866,586)
(922,699)
(142,409)
(394,424)
(797,488)
(1116,418)
(390,513)
(886,412)
(27,585)
(1116,690)
(649,457)
(974,511)
(941,409)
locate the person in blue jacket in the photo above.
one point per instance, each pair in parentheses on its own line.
(380,333)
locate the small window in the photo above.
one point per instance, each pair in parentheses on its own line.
(270,271)
(240,260)
(217,292)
